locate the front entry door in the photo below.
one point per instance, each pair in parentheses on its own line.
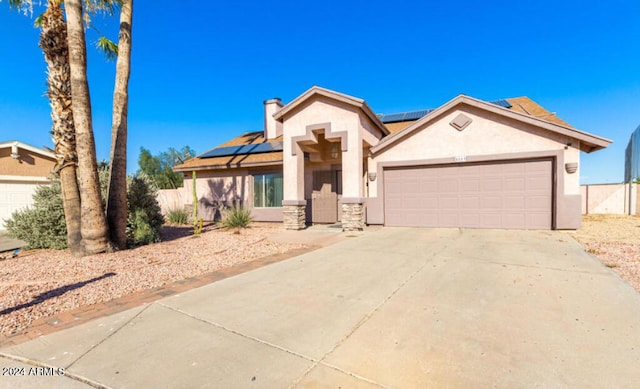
(324,197)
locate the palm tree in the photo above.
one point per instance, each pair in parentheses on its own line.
(117,194)
(53,42)
(94,225)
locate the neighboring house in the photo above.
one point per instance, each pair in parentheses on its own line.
(632,157)
(22,169)
(327,157)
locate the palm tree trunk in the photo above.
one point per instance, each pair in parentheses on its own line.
(53,42)
(94,225)
(117,195)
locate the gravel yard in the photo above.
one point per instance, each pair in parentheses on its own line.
(615,239)
(42,283)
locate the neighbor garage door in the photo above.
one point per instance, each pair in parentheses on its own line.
(505,194)
(13,197)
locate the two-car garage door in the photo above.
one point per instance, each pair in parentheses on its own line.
(505,194)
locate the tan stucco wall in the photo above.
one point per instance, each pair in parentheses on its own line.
(212,187)
(223,186)
(621,199)
(488,137)
(488,134)
(30,164)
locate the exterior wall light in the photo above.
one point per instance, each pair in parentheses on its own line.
(334,150)
(571,167)
(372,176)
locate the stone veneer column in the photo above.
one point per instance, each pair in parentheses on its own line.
(294,216)
(352,214)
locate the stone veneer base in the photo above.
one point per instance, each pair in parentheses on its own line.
(352,217)
(294,217)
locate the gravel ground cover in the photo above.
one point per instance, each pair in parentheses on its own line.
(43,283)
(615,239)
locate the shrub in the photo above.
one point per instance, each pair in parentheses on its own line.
(178,216)
(43,225)
(145,218)
(236,217)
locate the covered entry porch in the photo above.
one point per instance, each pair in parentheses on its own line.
(326,140)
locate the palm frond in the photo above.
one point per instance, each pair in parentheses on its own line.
(106,6)
(108,47)
(16,3)
(24,6)
(38,22)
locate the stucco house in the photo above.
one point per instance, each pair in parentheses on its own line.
(22,169)
(326,157)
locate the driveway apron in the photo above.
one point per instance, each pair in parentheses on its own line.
(391,308)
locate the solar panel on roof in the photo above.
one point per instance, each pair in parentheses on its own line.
(415,115)
(403,116)
(501,103)
(256,148)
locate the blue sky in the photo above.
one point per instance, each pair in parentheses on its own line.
(200,70)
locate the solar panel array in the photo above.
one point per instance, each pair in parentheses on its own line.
(255,148)
(415,115)
(403,116)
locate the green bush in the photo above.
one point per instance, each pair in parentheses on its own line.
(145,217)
(43,224)
(178,216)
(236,217)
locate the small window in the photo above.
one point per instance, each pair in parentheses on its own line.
(267,190)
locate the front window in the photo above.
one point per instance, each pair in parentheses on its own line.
(267,190)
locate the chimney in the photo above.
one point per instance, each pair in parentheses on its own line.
(272,128)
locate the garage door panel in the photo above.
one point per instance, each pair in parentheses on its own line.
(514,202)
(470,185)
(503,194)
(449,219)
(515,184)
(537,203)
(490,202)
(445,203)
(538,183)
(14,197)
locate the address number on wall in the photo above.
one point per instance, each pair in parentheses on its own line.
(460,158)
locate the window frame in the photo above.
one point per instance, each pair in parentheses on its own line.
(262,177)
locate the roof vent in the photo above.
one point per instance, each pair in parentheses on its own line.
(460,122)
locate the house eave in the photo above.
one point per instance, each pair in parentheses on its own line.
(230,165)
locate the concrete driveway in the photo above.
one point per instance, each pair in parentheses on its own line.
(392,308)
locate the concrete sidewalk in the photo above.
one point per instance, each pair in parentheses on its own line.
(389,308)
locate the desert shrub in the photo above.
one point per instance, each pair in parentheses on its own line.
(178,216)
(145,217)
(236,217)
(42,225)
